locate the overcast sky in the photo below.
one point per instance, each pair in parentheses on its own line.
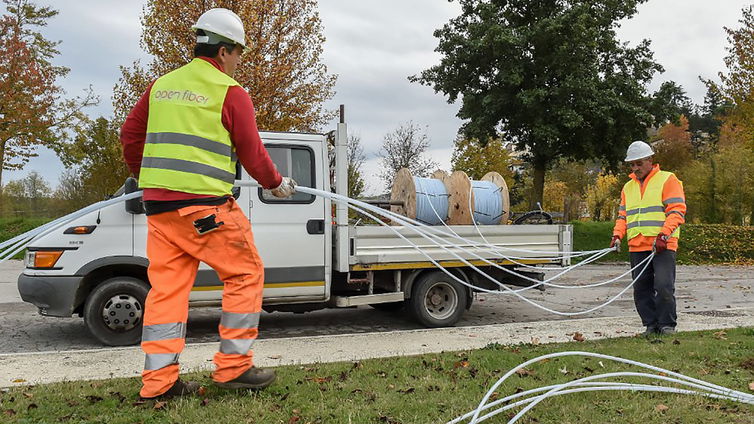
(373,46)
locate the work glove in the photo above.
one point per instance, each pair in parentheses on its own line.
(660,244)
(615,243)
(287,188)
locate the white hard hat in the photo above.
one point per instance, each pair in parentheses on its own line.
(221,22)
(638,150)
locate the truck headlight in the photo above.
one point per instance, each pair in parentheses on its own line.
(42,259)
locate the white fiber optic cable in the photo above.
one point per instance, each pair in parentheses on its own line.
(666,375)
(402,219)
(339,198)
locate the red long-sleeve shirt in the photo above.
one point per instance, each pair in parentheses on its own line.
(238,117)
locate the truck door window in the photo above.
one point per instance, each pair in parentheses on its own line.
(296,162)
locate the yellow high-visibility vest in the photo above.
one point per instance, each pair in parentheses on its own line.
(645,215)
(187,147)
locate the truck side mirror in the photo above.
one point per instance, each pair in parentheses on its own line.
(133,206)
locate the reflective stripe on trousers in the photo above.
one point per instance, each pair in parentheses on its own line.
(174,250)
(238,332)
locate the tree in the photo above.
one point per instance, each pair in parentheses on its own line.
(71,195)
(405,148)
(283,70)
(551,76)
(356,158)
(476,159)
(96,156)
(29,195)
(601,198)
(737,85)
(673,149)
(33,110)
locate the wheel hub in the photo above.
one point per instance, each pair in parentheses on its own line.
(122,312)
(441,300)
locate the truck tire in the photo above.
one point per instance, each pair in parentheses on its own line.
(114,311)
(438,300)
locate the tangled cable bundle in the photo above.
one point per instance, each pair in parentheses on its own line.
(531,398)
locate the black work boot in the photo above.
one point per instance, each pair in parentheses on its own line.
(667,331)
(179,388)
(253,378)
(650,331)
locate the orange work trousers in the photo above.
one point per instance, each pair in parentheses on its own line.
(174,249)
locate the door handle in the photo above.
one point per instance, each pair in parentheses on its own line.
(315,226)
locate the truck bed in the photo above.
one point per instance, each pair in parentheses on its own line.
(378,247)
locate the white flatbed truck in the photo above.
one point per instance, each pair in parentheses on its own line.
(96,266)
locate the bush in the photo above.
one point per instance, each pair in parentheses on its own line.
(700,243)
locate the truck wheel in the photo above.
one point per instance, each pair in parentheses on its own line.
(438,300)
(388,306)
(114,311)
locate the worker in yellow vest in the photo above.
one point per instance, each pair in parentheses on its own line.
(652,209)
(183,140)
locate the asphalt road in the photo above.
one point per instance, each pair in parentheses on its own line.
(704,290)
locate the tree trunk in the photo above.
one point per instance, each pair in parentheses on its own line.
(539,184)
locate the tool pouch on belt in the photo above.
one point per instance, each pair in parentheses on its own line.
(207,224)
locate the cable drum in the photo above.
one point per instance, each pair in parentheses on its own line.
(488,206)
(431,201)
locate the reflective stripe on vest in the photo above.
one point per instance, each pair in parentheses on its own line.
(645,215)
(187,147)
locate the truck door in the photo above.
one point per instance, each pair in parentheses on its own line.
(290,233)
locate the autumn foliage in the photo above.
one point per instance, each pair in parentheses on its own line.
(32,111)
(282,71)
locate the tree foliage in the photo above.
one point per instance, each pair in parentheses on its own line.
(476,159)
(95,158)
(737,85)
(551,76)
(405,147)
(673,149)
(601,199)
(33,110)
(283,69)
(29,196)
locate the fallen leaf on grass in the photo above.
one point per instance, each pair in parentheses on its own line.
(9,412)
(676,342)
(461,364)
(320,380)
(661,408)
(31,406)
(204,402)
(563,370)
(751,386)
(28,395)
(160,405)
(137,403)
(523,372)
(720,335)
(407,391)
(93,398)
(579,337)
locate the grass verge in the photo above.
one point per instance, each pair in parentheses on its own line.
(424,389)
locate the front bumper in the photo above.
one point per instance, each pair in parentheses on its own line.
(54,296)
